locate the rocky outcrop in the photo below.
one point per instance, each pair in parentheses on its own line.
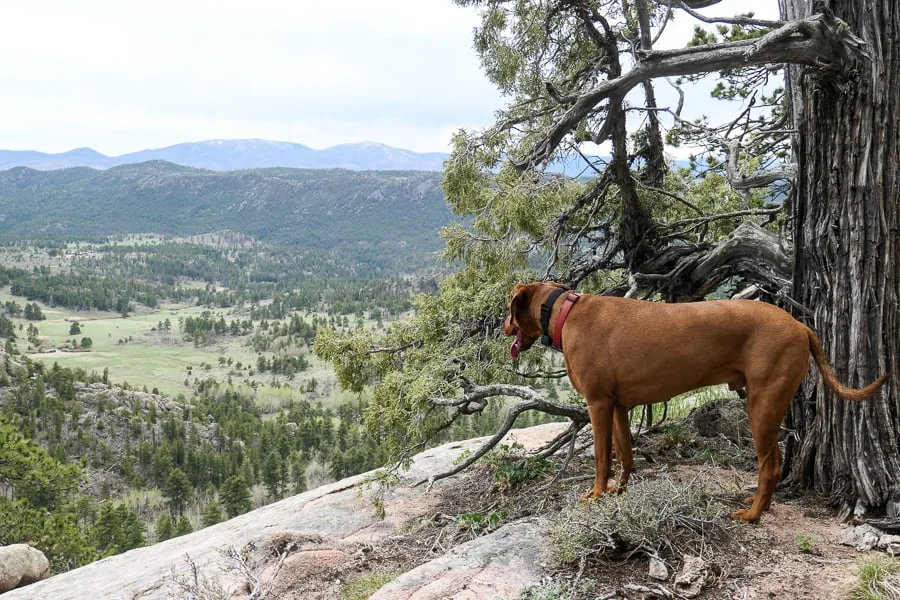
(499,566)
(326,532)
(20,565)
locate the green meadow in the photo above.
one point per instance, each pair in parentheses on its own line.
(135,351)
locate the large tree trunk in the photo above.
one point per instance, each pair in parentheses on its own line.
(846,210)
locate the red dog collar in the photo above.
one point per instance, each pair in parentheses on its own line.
(569,302)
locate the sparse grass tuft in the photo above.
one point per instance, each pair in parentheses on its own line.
(656,516)
(877,579)
(365,586)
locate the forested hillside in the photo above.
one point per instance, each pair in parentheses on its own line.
(366,215)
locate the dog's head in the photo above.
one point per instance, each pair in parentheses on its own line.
(522,321)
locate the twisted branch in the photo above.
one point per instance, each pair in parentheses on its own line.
(815,41)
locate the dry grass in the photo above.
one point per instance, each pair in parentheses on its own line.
(366,585)
(662,515)
(878,579)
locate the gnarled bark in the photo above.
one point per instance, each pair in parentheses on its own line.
(683,272)
(847,236)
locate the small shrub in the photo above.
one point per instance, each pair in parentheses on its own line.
(878,579)
(656,515)
(479,523)
(547,591)
(806,543)
(556,590)
(510,466)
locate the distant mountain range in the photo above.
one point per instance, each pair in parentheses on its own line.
(376,217)
(230,155)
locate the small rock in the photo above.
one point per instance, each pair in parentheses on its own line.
(658,569)
(890,544)
(752,571)
(861,537)
(20,564)
(694,575)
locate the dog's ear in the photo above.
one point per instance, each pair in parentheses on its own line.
(521,299)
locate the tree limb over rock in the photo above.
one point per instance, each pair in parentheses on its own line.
(533,400)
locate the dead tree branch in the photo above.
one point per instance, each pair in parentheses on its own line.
(817,41)
(687,7)
(742,182)
(533,400)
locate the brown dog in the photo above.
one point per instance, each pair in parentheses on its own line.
(622,353)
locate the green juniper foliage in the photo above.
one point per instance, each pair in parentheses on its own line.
(633,222)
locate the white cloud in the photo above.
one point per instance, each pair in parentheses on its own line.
(123,76)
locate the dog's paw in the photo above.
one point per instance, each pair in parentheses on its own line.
(745,515)
(588,496)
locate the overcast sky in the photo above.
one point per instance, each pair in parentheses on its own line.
(121,76)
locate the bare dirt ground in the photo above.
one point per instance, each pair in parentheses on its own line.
(792,554)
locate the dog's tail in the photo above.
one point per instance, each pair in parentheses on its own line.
(847,393)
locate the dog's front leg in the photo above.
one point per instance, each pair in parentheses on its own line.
(601,414)
(622,444)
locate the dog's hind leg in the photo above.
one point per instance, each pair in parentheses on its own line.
(765,438)
(765,409)
(622,443)
(750,499)
(600,410)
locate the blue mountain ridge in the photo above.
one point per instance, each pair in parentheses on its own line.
(234,155)
(231,155)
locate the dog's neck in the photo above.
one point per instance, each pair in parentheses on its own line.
(555,340)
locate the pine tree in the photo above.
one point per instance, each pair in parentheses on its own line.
(177,491)
(235,496)
(273,474)
(165,529)
(212,514)
(183,526)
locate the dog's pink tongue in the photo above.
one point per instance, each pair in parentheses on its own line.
(516,345)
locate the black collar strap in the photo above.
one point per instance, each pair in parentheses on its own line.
(546,309)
